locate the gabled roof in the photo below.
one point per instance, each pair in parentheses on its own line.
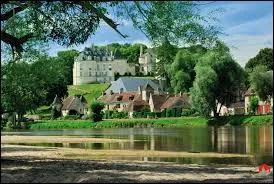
(130,84)
(118,98)
(147,87)
(73,103)
(137,105)
(159,100)
(173,102)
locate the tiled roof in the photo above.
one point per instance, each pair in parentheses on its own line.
(118,98)
(130,84)
(159,100)
(137,105)
(73,103)
(179,101)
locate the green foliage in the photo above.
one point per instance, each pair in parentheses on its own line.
(254,101)
(261,81)
(218,77)
(54,113)
(9,125)
(264,57)
(90,91)
(188,112)
(69,117)
(45,117)
(96,109)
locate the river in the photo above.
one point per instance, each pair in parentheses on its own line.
(252,140)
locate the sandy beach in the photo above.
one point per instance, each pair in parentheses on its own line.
(65,165)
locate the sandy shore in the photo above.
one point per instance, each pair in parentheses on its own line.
(64,165)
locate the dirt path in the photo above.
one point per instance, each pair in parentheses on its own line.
(47,165)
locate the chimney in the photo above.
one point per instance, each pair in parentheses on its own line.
(111,92)
(121,90)
(141,50)
(139,90)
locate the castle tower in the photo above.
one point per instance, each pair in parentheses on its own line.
(141,50)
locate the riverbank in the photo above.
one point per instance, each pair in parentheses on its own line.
(27,164)
(156,123)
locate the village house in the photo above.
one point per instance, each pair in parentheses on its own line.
(145,97)
(264,107)
(100,65)
(72,105)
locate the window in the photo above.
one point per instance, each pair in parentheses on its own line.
(81,68)
(118,105)
(80,74)
(89,68)
(90,73)
(97,67)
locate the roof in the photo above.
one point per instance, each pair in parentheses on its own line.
(148,87)
(130,84)
(249,92)
(118,98)
(137,105)
(56,100)
(237,105)
(159,100)
(179,101)
(73,103)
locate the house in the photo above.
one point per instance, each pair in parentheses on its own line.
(131,84)
(72,105)
(237,108)
(145,97)
(264,107)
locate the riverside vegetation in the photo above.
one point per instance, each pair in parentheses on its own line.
(157,123)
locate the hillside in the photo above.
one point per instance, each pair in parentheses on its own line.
(90,91)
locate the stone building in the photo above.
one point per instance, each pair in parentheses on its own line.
(99,65)
(147,61)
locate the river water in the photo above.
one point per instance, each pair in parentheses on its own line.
(254,140)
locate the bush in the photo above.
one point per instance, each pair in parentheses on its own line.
(254,104)
(188,112)
(9,125)
(96,111)
(45,117)
(70,117)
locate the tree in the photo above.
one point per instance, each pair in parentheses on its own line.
(65,59)
(261,82)
(96,109)
(166,53)
(218,77)
(72,22)
(181,71)
(264,57)
(254,104)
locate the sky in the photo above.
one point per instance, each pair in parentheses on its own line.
(248,27)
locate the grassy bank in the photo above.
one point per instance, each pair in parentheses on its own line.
(90,91)
(121,123)
(157,123)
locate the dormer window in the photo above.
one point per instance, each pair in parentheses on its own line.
(119,98)
(131,97)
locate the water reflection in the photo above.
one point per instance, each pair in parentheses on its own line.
(244,140)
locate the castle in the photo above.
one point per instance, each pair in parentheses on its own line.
(100,65)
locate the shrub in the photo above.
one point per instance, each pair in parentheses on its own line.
(70,117)
(96,109)
(45,117)
(188,112)
(9,125)
(254,104)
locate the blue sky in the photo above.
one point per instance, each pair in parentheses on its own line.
(248,25)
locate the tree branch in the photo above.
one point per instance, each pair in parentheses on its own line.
(110,22)
(15,43)
(10,13)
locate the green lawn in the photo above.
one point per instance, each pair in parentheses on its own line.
(90,91)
